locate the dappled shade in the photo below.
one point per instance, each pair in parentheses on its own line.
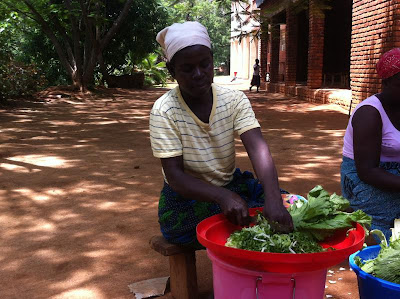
(79,187)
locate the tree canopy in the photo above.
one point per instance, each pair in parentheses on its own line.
(137,38)
(78,30)
(214,15)
(71,41)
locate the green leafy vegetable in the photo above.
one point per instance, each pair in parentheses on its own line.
(262,238)
(387,264)
(313,221)
(322,214)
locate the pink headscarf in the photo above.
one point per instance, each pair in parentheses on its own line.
(389,64)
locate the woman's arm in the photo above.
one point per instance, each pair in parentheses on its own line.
(367,142)
(264,167)
(232,205)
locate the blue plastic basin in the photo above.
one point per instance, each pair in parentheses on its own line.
(371,287)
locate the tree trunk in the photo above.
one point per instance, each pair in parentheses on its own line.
(76,80)
(81,83)
(103,69)
(81,69)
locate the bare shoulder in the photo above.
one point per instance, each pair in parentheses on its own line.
(366,115)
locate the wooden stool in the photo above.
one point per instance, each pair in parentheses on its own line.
(182,267)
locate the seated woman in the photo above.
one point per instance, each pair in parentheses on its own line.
(192,131)
(370,171)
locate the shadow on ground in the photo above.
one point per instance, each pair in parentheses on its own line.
(79,187)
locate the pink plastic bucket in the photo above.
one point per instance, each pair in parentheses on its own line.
(213,232)
(231,282)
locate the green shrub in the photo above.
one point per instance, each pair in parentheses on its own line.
(155,71)
(18,79)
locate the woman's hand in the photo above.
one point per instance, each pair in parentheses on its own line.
(234,208)
(278,216)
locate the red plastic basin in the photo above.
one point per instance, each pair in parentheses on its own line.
(214,231)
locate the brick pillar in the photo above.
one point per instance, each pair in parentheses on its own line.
(263,55)
(375,30)
(316,47)
(274,63)
(291,48)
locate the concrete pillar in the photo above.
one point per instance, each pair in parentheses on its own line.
(246,58)
(234,57)
(253,54)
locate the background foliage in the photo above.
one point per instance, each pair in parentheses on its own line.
(29,60)
(137,37)
(19,75)
(214,15)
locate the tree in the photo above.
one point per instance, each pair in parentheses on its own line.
(214,15)
(136,39)
(36,48)
(155,71)
(17,77)
(80,30)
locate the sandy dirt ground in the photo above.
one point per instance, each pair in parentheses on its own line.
(79,188)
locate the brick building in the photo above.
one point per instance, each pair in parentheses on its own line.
(330,57)
(245,44)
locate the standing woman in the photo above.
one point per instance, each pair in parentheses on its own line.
(255,81)
(370,171)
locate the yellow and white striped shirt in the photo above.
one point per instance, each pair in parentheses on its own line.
(208,149)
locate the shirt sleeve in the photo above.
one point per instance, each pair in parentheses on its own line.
(165,137)
(244,117)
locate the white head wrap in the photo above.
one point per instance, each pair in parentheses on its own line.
(182,35)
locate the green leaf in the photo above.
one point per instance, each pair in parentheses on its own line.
(262,238)
(381,236)
(313,221)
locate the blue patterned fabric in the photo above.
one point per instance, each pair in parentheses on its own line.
(382,206)
(178,217)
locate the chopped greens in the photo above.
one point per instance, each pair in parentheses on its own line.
(313,221)
(387,264)
(262,238)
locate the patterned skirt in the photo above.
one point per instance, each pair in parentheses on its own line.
(382,206)
(178,216)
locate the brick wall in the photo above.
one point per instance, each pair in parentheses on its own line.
(316,47)
(270,41)
(291,48)
(375,30)
(340,97)
(274,63)
(263,57)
